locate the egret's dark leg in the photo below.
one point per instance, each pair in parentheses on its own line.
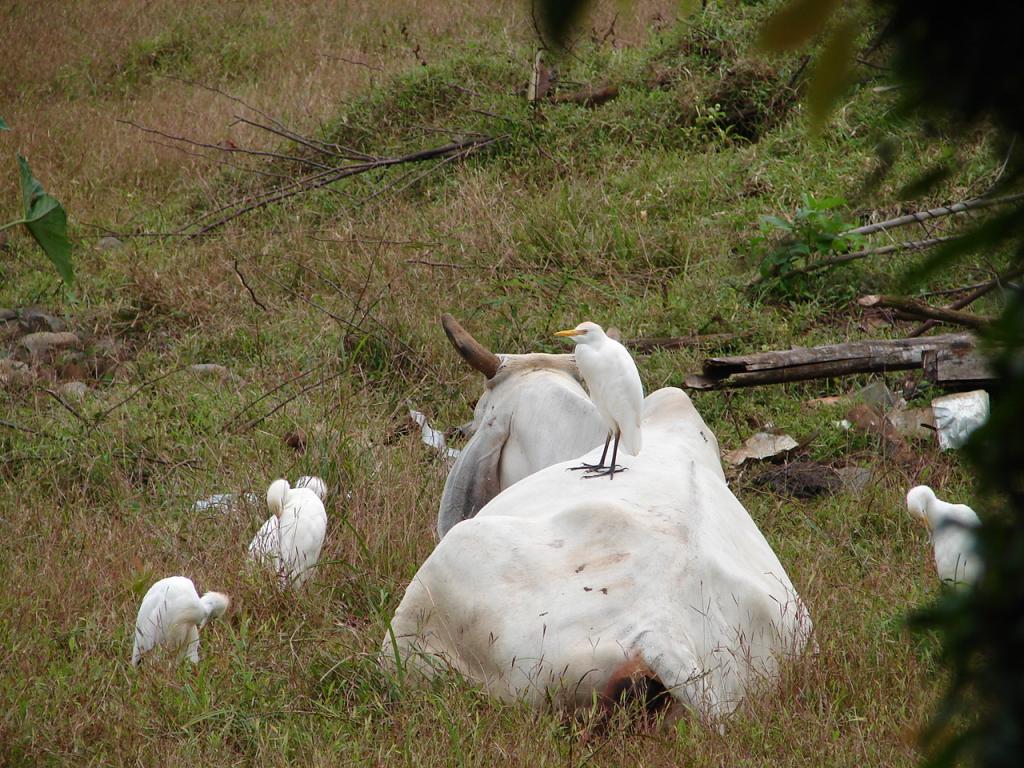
(610,471)
(600,464)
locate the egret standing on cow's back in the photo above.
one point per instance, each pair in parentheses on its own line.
(615,388)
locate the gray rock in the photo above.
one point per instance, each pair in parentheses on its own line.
(6,315)
(75,390)
(211,370)
(45,341)
(109,243)
(855,479)
(878,395)
(35,319)
(14,372)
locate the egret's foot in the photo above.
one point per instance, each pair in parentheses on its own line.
(587,467)
(608,472)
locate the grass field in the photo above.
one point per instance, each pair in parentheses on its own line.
(639,214)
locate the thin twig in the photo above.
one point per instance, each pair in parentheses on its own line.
(267,394)
(428,263)
(252,293)
(222,148)
(350,61)
(136,391)
(67,407)
(288,400)
(18,427)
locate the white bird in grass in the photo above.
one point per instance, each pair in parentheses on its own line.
(289,542)
(171,615)
(615,388)
(952,528)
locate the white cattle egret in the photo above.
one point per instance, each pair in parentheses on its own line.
(952,528)
(171,615)
(615,388)
(289,542)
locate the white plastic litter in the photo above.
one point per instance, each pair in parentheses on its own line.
(431,436)
(957,416)
(224,501)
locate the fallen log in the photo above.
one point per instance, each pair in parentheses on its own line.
(803,363)
(587,96)
(920,310)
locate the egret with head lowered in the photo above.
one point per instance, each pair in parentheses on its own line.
(289,542)
(171,615)
(952,528)
(615,388)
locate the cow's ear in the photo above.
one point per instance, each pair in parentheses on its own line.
(475,478)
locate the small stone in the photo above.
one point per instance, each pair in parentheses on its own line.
(109,243)
(6,315)
(855,479)
(35,319)
(108,346)
(212,370)
(45,341)
(75,390)
(14,372)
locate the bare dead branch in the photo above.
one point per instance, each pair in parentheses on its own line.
(977,292)
(934,213)
(919,309)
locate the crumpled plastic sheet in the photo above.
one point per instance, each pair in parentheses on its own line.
(957,416)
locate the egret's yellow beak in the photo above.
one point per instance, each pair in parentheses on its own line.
(570,332)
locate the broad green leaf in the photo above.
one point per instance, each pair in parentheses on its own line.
(795,23)
(831,74)
(776,222)
(46,221)
(4,126)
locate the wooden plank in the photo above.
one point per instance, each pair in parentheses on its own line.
(957,367)
(803,363)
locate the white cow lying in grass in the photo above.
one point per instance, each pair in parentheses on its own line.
(533,414)
(571,591)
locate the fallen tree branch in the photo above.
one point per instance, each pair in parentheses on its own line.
(918,309)
(977,292)
(802,363)
(910,245)
(322,179)
(933,213)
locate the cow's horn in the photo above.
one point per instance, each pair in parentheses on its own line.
(472,351)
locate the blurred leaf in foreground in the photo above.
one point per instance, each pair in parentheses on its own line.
(46,220)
